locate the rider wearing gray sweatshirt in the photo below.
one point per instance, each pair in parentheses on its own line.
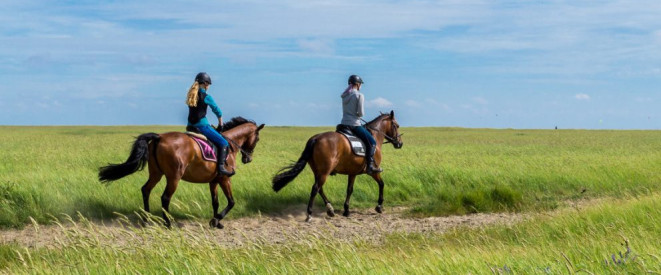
(352,111)
(352,107)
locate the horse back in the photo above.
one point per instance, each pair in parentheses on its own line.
(177,154)
(332,154)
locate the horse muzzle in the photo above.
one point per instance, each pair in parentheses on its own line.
(246,159)
(398,145)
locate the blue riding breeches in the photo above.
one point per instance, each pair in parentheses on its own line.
(213,135)
(363,134)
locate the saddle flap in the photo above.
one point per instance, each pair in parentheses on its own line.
(357,145)
(207,148)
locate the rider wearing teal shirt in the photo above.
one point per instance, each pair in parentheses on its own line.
(198,100)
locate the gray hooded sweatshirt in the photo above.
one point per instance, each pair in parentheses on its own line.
(352,107)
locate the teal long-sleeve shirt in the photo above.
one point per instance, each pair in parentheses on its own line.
(214,108)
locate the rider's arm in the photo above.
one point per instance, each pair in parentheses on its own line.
(360,110)
(214,107)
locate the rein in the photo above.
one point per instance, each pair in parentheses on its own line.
(237,145)
(389,139)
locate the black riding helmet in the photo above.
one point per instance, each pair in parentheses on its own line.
(203,78)
(354,79)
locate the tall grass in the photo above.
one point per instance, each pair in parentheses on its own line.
(611,237)
(440,171)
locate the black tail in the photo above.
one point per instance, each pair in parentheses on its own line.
(289,173)
(136,161)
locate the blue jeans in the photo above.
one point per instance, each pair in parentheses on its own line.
(213,135)
(363,134)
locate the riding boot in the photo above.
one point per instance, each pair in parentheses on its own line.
(369,159)
(222,156)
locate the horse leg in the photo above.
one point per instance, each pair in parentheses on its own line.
(226,185)
(351,180)
(329,208)
(154,178)
(167,196)
(318,183)
(213,188)
(379,206)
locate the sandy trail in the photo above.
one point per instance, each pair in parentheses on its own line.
(362,224)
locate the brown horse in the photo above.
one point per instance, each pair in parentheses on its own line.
(177,156)
(330,153)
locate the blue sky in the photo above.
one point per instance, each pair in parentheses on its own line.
(492,64)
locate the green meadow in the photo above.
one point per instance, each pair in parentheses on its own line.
(50,173)
(614,236)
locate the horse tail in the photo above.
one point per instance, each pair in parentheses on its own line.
(136,161)
(288,173)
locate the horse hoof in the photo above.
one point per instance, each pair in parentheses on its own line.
(215,223)
(346,213)
(379,209)
(330,210)
(308,219)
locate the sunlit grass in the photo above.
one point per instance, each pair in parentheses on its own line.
(439,171)
(613,236)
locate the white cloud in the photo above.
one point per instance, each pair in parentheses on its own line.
(323,46)
(379,102)
(437,104)
(412,103)
(657,36)
(582,96)
(480,100)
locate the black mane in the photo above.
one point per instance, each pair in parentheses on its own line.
(234,122)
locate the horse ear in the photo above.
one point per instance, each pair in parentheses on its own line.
(260,127)
(392,113)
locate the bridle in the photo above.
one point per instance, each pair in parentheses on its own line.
(249,154)
(389,139)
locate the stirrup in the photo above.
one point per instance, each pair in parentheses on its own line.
(221,170)
(373,170)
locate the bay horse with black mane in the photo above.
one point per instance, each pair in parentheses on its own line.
(177,156)
(330,153)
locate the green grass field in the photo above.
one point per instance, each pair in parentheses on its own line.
(48,172)
(610,237)
(440,171)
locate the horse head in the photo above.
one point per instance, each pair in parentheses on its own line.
(249,144)
(244,134)
(392,131)
(387,125)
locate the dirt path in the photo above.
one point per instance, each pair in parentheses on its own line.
(363,224)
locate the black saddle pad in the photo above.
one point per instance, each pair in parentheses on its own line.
(357,145)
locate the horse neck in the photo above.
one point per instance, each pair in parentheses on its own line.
(378,135)
(239,134)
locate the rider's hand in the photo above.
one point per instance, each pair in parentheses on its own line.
(220,122)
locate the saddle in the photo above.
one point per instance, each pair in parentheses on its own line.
(357,145)
(208,149)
